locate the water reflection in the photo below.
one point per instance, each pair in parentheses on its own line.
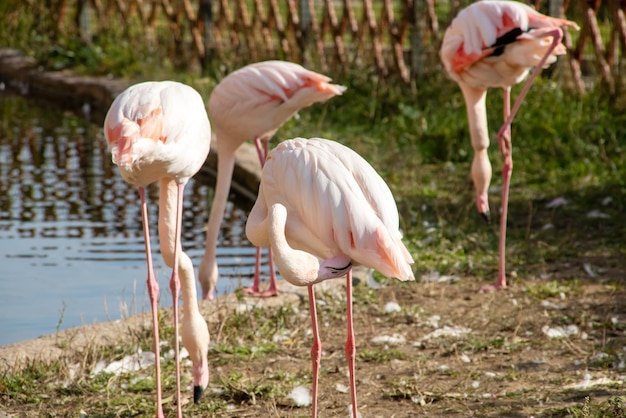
(71,240)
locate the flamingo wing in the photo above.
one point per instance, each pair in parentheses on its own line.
(336,204)
(258,99)
(481,28)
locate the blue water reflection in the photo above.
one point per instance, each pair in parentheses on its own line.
(71,241)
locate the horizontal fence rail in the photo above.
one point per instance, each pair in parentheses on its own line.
(391,38)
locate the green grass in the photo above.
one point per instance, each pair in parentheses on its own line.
(381,355)
(614,407)
(565,145)
(240,388)
(552,289)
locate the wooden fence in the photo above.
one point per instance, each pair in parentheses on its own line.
(393,38)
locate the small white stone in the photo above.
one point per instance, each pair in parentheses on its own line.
(391,307)
(596,214)
(342,388)
(301,396)
(394,339)
(560,332)
(555,203)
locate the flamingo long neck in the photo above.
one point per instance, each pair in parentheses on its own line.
(225,167)
(168,205)
(194,331)
(476,115)
(297,267)
(188,289)
(479,135)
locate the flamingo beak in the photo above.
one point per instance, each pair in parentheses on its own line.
(197,393)
(486,216)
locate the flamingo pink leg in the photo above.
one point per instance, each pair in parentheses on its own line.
(273,289)
(351,345)
(255,290)
(316,349)
(175,287)
(504,141)
(153,292)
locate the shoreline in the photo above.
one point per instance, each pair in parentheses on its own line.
(21,76)
(64,345)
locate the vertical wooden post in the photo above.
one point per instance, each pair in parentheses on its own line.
(83,16)
(555,8)
(418,30)
(305,7)
(205,20)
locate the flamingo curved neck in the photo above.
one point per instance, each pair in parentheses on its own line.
(208,269)
(477,114)
(226,164)
(299,267)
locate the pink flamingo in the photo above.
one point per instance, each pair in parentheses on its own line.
(322,208)
(160,131)
(253,103)
(495,44)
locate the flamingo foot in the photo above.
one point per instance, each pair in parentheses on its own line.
(258,293)
(255,289)
(499,284)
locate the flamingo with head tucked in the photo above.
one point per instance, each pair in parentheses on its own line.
(252,103)
(496,44)
(322,208)
(160,131)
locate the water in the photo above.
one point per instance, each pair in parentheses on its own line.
(71,240)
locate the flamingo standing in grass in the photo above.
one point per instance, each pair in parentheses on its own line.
(495,44)
(160,131)
(322,208)
(253,103)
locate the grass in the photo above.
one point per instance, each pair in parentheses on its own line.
(421,149)
(551,289)
(239,388)
(565,145)
(436,377)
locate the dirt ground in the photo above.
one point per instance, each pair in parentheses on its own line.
(423,349)
(544,347)
(497,359)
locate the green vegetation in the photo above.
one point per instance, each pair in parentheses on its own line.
(552,289)
(565,145)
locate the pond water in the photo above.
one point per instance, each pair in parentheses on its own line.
(71,241)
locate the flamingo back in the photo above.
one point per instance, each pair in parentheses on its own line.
(487,29)
(257,99)
(336,204)
(157,128)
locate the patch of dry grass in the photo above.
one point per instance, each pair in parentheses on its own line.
(503,365)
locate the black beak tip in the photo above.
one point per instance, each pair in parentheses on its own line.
(197,393)
(486,216)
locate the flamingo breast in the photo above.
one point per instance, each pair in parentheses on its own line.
(157,129)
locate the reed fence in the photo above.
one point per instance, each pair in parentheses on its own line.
(392,38)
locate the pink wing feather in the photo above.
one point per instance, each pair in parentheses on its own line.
(476,28)
(256,100)
(337,204)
